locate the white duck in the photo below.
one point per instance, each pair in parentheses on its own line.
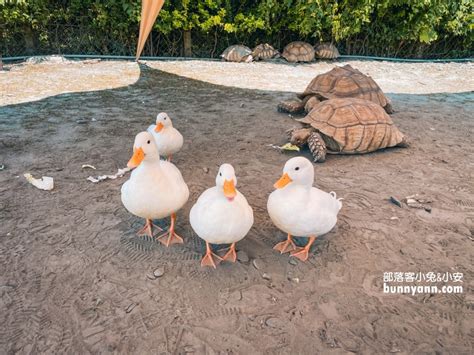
(221,215)
(156,188)
(299,209)
(167,138)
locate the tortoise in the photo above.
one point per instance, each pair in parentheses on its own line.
(339,82)
(346,126)
(298,52)
(326,51)
(264,51)
(237,53)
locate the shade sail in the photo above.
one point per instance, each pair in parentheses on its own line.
(150,10)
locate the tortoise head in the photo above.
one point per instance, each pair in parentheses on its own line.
(300,137)
(311,102)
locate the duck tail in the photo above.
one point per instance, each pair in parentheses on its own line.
(339,203)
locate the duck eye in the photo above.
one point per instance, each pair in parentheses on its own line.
(148,142)
(165,118)
(297,168)
(220,174)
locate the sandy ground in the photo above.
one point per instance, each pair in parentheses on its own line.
(21,82)
(74,275)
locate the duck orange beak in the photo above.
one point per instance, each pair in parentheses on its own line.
(283,181)
(229,189)
(137,158)
(159,127)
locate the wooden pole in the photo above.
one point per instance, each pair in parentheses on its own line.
(29,40)
(188,51)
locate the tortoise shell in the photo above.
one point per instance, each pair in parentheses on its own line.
(326,51)
(237,53)
(353,126)
(264,51)
(298,52)
(346,81)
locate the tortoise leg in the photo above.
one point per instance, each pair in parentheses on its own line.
(248,58)
(311,103)
(317,147)
(291,106)
(405,143)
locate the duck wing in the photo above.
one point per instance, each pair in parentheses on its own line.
(174,180)
(326,201)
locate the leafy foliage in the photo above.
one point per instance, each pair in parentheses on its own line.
(413,28)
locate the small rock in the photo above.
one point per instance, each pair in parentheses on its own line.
(394,349)
(266,276)
(242,104)
(242,256)
(2,167)
(159,272)
(292,261)
(394,218)
(274,322)
(189,349)
(235,296)
(295,279)
(150,276)
(395,201)
(256,264)
(350,345)
(411,201)
(206,169)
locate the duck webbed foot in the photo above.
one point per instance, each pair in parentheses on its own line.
(148,228)
(303,253)
(231,255)
(210,259)
(170,237)
(285,246)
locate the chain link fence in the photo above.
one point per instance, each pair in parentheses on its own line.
(78,39)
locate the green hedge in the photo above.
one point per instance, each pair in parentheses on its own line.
(403,28)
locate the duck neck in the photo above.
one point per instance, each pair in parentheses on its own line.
(151,160)
(166,129)
(299,186)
